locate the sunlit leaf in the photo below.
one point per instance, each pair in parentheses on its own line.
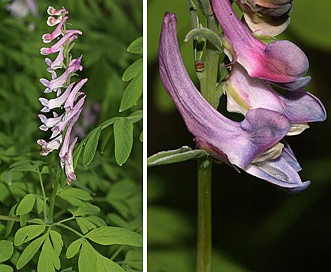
(114,236)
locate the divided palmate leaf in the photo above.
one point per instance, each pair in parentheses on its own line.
(90,260)
(49,257)
(30,251)
(28,233)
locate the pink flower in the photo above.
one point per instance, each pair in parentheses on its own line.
(280,62)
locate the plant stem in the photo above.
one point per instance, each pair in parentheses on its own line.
(44,195)
(204,241)
(208,80)
(52,203)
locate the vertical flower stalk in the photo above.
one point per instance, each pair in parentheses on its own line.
(64,108)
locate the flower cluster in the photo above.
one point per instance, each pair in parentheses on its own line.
(67,96)
(256,144)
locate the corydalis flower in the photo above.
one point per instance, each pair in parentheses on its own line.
(266,17)
(70,100)
(244,93)
(280,62)
(252,145)
(21,8)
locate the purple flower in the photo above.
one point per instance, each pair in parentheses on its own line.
(58,62)
(69,36)
(281,62)
(267,21)
(244,93)
(61,125)
(47,38)
(61,81)
(67,149)
(48,147)
(252,145)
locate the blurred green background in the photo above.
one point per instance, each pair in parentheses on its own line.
(256,227)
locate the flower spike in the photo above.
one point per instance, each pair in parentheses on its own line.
(71,100)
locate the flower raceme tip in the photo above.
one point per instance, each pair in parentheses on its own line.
(70,100)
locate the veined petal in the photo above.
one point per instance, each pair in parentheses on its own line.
(74,95)
(236,143)
(56,47)
(279,61)
(244,93)
(56,102)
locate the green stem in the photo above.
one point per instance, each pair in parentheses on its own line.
(204,241)
(54,192)
(9,218)
(44,195)
(208,80)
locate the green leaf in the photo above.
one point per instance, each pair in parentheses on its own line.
(26,205)
(5,268)
(96,220)
(6,250)
(26,166)
(4,192)
(39,204)
(136,47)
(87,260)
(134,259)
(75,196)
(28,233)
(106,265)
(77,193)
(91,145)
(208,34)
(85,209)
(57,241)
(10,224)
(48,259)
(84,224)
(73,248)
(133,70)
(135,116)
(132,93)
(30,251)
(114,236)
(90,260)
(173,156)
(123,134)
